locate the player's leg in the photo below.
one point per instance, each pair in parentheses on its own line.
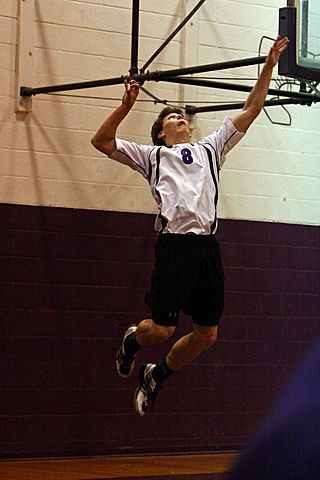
(135,337)
(149,333)
(162,301)
(176,284)
(183,352)
(151,375)
(205,304)
(189,347)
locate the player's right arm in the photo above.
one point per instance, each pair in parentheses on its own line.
(105,138)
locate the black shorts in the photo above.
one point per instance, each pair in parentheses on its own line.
(188,276)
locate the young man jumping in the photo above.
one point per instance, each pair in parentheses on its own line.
(188,273)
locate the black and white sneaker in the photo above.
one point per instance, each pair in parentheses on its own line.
(147,390)
(124,363)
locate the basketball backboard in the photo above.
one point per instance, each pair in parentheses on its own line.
(300,23)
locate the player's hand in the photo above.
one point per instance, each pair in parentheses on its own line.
(276,50)
(131,91)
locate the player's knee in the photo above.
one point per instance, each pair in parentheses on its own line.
(163,333)
(209,340)
(213,337)
(206,336)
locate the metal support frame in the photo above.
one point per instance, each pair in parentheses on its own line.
(191,110)
(304,29)
(173,34)
(143,77)
(234,86)
(134,37)
(178,75)
(24,59)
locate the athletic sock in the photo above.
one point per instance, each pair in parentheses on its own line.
(161,372)
(131,345)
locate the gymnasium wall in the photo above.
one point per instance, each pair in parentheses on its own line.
(74,279)
(46,155)
(76,236)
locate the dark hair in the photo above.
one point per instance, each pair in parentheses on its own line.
(157,126)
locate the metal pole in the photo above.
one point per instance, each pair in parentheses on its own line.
(304,34)
(173,34)
(158,75)
(236,87)
(142,77)
(134,38)
(28,92)
(191,110)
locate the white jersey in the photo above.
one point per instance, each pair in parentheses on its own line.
(183,178)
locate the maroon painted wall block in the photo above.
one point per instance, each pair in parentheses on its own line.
(72,280)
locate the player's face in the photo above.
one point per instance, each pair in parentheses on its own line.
(174,125)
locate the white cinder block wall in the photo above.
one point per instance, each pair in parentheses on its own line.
(46,157)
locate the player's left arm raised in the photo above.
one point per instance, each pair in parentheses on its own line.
(257,96)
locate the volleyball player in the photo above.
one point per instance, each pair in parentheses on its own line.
(188,273)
